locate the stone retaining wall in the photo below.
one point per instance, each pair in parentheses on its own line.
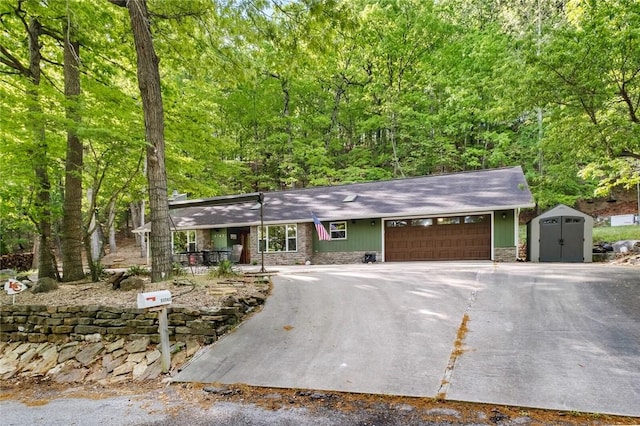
(105,344)
(62,324)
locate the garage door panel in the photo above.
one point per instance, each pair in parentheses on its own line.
(453,241)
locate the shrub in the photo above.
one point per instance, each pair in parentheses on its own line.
(137,270)
(225,269)
(177,269)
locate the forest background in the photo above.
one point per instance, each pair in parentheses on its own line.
(262,95)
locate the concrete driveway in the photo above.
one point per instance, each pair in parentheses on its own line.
(555,336)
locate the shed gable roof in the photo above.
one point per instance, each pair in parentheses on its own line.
(562,210)
(484,190)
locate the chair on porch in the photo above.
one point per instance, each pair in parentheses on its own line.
(236,253)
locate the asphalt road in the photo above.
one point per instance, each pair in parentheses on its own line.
(554,336)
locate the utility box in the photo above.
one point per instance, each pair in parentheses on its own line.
(561,234)
(623,220)
(154,299)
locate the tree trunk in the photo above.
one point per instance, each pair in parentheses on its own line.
(149,84)
(134,213)
(93,232)
(46,261)
(136,209)
(72,218)
(112,227)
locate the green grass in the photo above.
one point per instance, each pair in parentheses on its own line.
(616,233)
(608,234)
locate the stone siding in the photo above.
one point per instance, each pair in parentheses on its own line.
(341,257)
(504,254)
(303,253)
(203,239)
(62,324)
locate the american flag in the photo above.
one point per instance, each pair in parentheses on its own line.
(323,235)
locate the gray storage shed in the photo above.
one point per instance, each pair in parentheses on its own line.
(561,234)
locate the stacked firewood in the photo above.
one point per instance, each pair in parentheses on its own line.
(17,261)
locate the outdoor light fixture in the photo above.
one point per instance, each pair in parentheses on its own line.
(504,215)
(373,223)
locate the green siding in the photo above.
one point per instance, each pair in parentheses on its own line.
(219,238)
(503,229)
(361,236)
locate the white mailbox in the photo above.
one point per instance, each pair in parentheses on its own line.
(153,299)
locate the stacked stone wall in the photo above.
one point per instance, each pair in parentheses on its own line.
(62,324)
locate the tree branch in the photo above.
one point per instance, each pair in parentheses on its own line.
(627,100)
(629,154)
(12,62)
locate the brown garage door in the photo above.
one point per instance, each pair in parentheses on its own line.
(444,238)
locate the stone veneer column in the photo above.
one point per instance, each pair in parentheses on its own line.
(504,254)
(203,239)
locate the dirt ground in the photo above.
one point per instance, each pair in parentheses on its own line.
(379,410)
(206,291)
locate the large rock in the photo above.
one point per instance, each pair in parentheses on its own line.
(125,368)
(44,285)
(110,363)
(139,370)
(67,351)
(138,345)
(132,283)
(48,360)
(153,356)
(152,371)
(8,365)
(68,372)
(88,354)
(26,357)
(137,357)
(98,374)
(114,346)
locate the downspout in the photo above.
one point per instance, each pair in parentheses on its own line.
(516,230)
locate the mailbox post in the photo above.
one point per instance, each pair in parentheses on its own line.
(158,301)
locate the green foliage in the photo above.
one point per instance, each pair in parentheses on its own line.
(138,270)
(225,269)
(97,271)
(178,270)
(258,97)
(587,76)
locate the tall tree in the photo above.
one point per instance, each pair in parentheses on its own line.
(31,72)
(589,74)
(150,92)
(72,229)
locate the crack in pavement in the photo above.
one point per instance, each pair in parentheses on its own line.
(457,349)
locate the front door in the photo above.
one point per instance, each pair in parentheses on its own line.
(245,257)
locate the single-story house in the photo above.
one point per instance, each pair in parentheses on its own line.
(457,216)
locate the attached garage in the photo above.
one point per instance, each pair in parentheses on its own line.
(439,238)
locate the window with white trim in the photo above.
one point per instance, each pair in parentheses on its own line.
(338,230)
(276,238)
(182,241)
